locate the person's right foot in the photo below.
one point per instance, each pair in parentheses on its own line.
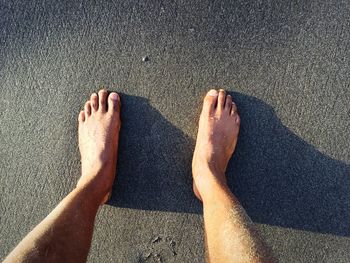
(216,141)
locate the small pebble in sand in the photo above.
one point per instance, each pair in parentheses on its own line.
(172,245)
(158,257)
(148,255)
(156,239)
(145,58)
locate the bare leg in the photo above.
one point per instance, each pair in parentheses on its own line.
(230,234)
(65,234)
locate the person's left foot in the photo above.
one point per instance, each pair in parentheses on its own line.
(99,125)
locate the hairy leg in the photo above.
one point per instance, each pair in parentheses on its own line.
(65,234)
(230,234)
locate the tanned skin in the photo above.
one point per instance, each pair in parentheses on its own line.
(230,234)
(65,234)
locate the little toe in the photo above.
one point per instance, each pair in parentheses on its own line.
(102,96)
(87,109)
(210,102)
(113,102)
(233,108)
(81,117)
(237,118)
(234,113)
(228,104)
(221,99)
(94,102)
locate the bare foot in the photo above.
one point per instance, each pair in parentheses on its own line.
(99,126)
(216,141)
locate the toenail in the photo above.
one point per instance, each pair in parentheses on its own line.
(114,96)
(213,92)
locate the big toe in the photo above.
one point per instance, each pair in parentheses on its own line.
(113,102)
(210,102)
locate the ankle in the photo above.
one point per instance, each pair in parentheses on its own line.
(217,193)
(208,169)
(89,196)
(209,180)
(97,182)
(209,165)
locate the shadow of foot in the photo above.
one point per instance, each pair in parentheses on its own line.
(154,165)
(279,178)
(282,180)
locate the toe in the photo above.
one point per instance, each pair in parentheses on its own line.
(210,101)
(113,102)
(237,119)
(87,109)
(102,96)
(228,104)
(234,108)
(81,117)
(94,102)
(221,99)
(234,113)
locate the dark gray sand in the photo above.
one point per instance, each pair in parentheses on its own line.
(286,65)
